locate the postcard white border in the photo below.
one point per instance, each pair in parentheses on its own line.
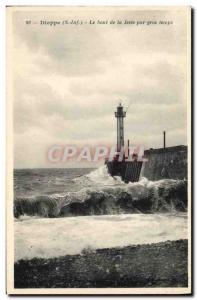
(9,163)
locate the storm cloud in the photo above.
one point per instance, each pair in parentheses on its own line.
(69,79)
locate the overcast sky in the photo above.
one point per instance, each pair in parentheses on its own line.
(68,81)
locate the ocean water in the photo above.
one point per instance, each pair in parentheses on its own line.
(54,237)
(63,211)
(79,192)
(35,182)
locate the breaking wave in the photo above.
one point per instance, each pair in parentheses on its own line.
(101,177)
(105,195)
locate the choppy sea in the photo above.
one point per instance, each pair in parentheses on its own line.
(72,192)
(62,211)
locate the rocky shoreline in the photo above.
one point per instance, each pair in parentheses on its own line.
(162,264)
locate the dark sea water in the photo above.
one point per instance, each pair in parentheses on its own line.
(61,212)
(78,192)
(35,182)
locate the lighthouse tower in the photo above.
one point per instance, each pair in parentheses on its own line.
(128,170)
(120,114)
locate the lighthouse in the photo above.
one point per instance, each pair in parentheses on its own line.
(120,114)
(156,160)
(128,170)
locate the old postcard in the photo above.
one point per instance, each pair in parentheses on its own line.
(98,150)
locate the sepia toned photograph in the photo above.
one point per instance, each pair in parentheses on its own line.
(99,150)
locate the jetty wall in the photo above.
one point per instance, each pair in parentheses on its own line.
(165,163)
